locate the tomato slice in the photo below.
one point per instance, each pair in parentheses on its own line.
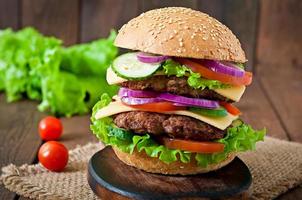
(193,146)
(230,108)
(207,73)
(157,107)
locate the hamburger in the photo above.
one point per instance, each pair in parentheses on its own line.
(174,112)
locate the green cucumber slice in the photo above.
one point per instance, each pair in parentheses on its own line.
(218,112)
(129,67)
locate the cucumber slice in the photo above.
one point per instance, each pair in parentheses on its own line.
(129,67)
(218,112)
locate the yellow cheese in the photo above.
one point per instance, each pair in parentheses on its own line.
(233,93)
(118,107)
(112,78)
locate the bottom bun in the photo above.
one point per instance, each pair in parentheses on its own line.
(144,162)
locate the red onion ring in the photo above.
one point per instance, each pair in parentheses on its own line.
(181,101)
(149,58)
(223,68)
(139,101)
(126,92)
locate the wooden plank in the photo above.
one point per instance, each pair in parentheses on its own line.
(77,131)
(153,4)
(258,112)
(9,14)
(292,194)
(98,17)
(283,87)
(214,8)
(240,16)
(279,56)
(18,135)
(280,31)
(54,18)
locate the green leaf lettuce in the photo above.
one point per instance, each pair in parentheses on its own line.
(68,80)
(172,68)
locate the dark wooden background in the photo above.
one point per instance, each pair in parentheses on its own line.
(269,30)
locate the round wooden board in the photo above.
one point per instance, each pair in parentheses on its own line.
(110,178)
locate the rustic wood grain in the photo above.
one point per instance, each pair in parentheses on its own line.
(283,87)
(240,16)
(9,14)
(280,63)
(280,34)
(55,18)
(18,135)
(258,112)
(214,8)
(76,131)
(98,17)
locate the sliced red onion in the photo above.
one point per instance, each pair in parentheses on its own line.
(126,92)
(224,68)
(149,58)
(139,101)
(189,101)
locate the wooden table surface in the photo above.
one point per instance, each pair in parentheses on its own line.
(267,103)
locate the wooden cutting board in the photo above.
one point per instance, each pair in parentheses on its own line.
(110,178)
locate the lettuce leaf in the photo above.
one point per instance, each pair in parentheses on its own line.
(90,58)
(68,81)
(172,68)
(240,137)
(26,56)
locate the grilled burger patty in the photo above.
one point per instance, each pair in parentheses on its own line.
(175,126)
(174,85)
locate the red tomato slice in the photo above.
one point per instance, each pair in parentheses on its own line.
(230,108)
(157,107)
(193,146)
(224,78)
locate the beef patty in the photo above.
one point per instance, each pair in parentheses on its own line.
(174,126)
(174,85)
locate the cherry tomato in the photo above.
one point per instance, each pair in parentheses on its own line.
(53,156)
(230,108)
(193,146)
(157,107)
(207,73)
(50,128)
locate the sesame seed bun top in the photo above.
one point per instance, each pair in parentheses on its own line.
(180,32)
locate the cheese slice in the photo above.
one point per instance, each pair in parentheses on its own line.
(233,93)
(112,78)
(117,107)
